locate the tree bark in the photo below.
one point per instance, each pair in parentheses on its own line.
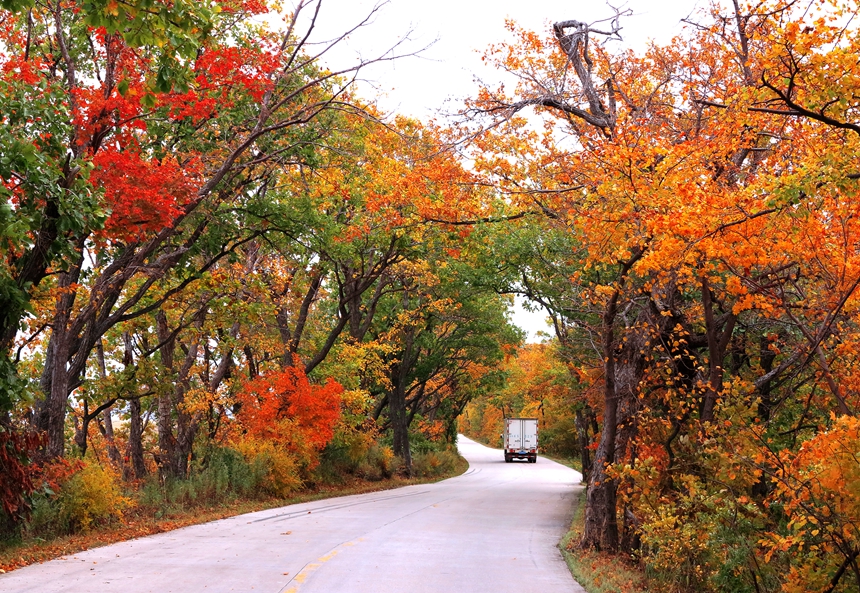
(601,525)
(106,428)
(106,424)
(582,434)
(135,427)
(718,339)
(166,440)
(601,521)
(397,402)
(135,440)
(50,416)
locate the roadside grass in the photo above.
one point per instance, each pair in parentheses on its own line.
(148,520)
(595,571)
(571,462)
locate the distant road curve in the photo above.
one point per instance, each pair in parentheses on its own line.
(495,529)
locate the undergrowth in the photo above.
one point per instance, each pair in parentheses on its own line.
(93,507)
(595,571)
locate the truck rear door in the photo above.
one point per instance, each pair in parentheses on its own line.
(529,432)
(515,433)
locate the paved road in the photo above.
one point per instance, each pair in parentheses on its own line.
(495,529)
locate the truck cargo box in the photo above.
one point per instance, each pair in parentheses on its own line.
(521,439)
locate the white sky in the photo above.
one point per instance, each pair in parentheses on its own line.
(457,32)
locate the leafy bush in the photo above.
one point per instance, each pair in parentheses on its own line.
(45,509)
(817,493)
(92,496)
(75,496)
(222,473)
(419,443)
(561,438)
(17,471)
(274,468)
(44,519)
(434,463)
(379,463)
(343,456)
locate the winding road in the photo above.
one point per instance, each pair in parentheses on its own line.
(495,529)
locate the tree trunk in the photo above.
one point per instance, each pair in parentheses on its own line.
(135,427)
(399,423)
(629,372)
(166,440)
(50,416)
(106,428)
(582,434)
(82,429)
(135,440)
(106,424)
(718,339)
(601,521)
(397,403)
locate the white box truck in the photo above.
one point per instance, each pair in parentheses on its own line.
(521,439)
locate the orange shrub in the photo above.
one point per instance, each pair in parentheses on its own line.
(286,408)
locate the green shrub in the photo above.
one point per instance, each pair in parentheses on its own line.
(346,451)
(85,496)
(221,474)
(433,463)
(44,519)
(273,469)
(379,463)
(561,438)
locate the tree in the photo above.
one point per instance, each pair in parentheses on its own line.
(169,153)
(698,206)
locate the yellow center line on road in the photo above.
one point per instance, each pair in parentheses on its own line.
(312,567)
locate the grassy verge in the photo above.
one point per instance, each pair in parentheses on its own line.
(143,521)
(570,462)
(597,572)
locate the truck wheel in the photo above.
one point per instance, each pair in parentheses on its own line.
(507,458)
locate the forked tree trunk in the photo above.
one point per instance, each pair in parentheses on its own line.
(50,416)
(601,521)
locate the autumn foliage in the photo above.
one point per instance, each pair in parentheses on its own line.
(223,274)
(143,196)
(698,261)
(18,472)
(285,407)
(214,266)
